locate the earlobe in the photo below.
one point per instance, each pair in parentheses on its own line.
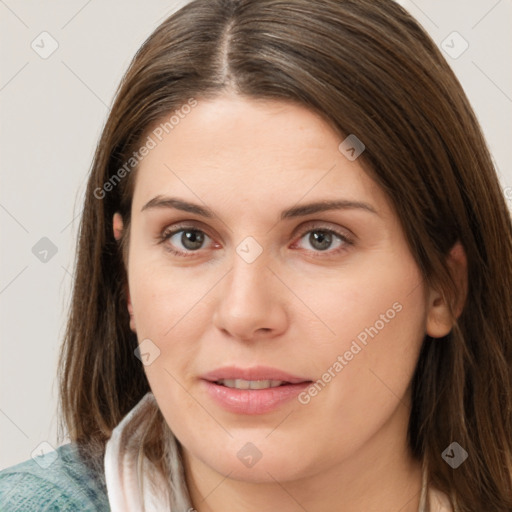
(130,310)
(439,318)
(439,321)
(117,225)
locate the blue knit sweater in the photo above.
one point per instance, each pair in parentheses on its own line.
(62,485)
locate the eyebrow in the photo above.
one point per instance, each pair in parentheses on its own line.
(295,211)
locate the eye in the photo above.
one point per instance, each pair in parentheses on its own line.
(321,239)
(189,238)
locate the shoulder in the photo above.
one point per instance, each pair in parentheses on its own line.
(57,481)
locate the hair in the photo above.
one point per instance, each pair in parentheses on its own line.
(369,69)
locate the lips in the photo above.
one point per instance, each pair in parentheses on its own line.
(252,391)
(253,374)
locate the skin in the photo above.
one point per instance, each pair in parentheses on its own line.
(295,308)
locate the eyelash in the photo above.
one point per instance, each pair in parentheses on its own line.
(166,235)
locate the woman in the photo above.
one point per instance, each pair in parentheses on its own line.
(293,279)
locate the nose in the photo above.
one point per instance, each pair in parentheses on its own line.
(252,301)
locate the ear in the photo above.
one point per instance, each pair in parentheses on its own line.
(117,226)
(439,318)
(130,310)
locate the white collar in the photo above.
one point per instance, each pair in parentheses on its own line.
(125,465)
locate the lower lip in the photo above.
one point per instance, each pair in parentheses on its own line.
(253,401)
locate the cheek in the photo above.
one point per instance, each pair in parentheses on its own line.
(174,322)
(164,297)
(365,374)
(372,386)
(376,295)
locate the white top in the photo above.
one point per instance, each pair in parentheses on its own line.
(124,466)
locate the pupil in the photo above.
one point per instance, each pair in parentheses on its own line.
(192,239)
(320,236)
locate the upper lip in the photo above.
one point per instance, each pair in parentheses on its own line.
(253,373)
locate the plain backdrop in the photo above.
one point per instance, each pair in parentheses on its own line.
(59,67)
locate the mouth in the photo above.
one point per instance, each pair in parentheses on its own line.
(254,390)
(252,384)
(256,377)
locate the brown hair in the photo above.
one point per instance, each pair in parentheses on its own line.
(368,69)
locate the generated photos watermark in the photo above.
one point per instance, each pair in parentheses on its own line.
(151,142)
(355,347)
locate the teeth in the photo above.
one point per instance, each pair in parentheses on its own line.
(250,384)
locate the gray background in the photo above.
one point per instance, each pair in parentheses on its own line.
(52,112)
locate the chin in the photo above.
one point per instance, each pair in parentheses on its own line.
(280,467)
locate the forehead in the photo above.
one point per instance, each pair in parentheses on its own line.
(233,148)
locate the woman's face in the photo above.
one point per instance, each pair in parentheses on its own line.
(265,287)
